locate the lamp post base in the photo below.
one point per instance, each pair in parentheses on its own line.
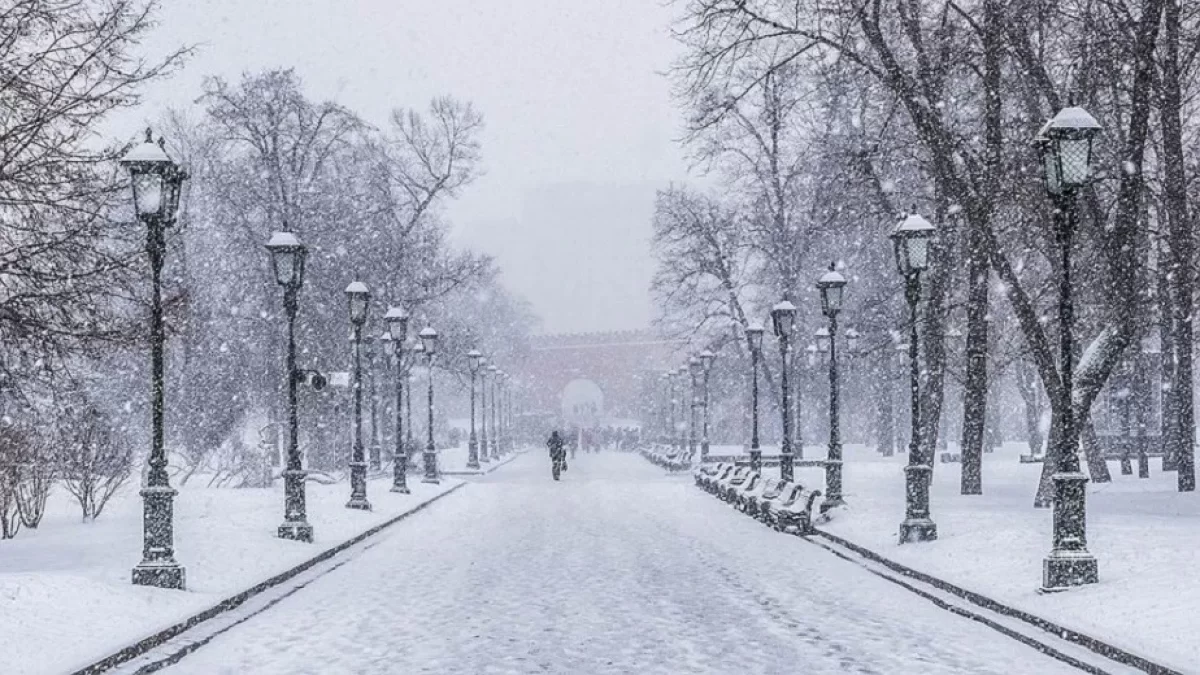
(833,485)
(376,455)
(358,487)
(472,456)
(400,474)
(756,460)
(1063,569)
(169,575)
(296,531)
(785,467)
(431,472)
(916,530)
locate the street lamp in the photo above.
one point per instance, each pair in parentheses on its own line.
(493,374)
(397,321)
(157,182)
(664,408)
(910,240)
(673,402)
(474,358)
(681,376)
(429,338)
(1065,146)
(783,317)
(509,442)
(375,452)
(414,352)
(358,297)
(754,335)
(287,262)
(694,368)
(706,361)
(498,412)
(832,285)
(852,338)
(483,409)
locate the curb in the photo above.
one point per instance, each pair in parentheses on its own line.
(491,466)
(146,644)
(1084,640)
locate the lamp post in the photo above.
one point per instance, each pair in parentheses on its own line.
(157,182)
(498,412)
(706,361)
(287,262)
(358,297)
(506,413)
(413,354)
(673,429)
(429,338)
(783,318)
(493,374)
(910,241)
(831,285)
(664,408)
(693,369)
(1065,146)
(474,358)
(483,409)
(754,335)
(397,321)
(375,451)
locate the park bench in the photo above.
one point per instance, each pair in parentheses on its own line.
(712,483)
(729,487)
(742,493)
(769,490)
(708,471)
(723,483)
(768,510)
(796,517)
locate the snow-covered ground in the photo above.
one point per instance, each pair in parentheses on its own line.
(65,594)
(1145,535)
(619,568)
(454,461)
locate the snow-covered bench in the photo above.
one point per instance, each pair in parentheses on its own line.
(711,483)
(769,490)
(795,517)
(745,490)
(708,471)
(727,488)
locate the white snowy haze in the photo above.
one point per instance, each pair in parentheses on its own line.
(579,132)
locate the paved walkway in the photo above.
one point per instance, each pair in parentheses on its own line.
(619,568)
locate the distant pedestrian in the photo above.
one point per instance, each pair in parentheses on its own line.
(558,454)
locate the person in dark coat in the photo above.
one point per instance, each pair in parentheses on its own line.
(558,454)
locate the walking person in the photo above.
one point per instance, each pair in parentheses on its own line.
(558,454)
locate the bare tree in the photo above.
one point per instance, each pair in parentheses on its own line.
(95,460)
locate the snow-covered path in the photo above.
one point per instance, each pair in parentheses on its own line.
(616,569)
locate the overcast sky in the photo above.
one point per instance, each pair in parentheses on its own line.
(580,127)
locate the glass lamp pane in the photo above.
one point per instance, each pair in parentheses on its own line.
(358,307)
(1075,155)
(918,253)
(148,193)
(284,262)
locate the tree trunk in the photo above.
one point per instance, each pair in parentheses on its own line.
(975,389)
(1182,253)
(1027,387)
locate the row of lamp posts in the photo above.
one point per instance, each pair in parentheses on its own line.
(156,183)
(686,409)
(477,445)
(1065,148)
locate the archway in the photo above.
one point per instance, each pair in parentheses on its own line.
(582,403)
